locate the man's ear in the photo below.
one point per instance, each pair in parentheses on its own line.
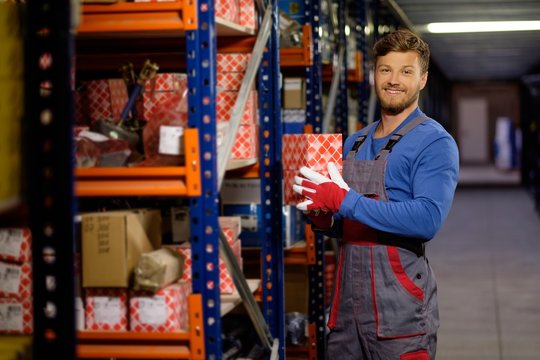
(423,80)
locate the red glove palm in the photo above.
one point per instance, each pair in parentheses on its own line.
(321,220)
(326,196)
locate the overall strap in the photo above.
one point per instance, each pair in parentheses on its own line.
(359,141)
(396,137)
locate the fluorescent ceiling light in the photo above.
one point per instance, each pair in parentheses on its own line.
(482,26)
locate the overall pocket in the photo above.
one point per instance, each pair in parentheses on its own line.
(398,282)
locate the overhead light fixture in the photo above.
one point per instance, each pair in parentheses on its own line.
(482,26)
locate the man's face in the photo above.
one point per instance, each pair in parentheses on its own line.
(398,81)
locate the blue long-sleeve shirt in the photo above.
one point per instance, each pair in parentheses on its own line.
(421,178)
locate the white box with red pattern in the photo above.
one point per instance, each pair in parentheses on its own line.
(163,90)
(227,10)
(106,309)
(15,244)
(16,316)
(164,311)
(312,150)
(106,98)
(226,285)
(16,280)
(248,16)
(232,62)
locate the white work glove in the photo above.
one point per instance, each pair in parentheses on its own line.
(323,193)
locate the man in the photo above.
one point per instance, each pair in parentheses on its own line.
(399,178)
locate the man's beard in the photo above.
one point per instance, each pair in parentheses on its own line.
(396,108)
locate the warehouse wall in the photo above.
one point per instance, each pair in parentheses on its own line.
(502,98)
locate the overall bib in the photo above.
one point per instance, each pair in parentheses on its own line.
(384,303)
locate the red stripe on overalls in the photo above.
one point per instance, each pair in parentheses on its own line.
(337,293)
(403,278)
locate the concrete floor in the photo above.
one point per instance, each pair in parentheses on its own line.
(487,262)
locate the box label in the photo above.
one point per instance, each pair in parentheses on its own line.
(11,317)
(153,310)
(107,309)
(11,278)
(11,242)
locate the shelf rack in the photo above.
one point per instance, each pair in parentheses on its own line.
(194,23)
(50,176)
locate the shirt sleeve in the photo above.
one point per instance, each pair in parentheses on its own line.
(434,179)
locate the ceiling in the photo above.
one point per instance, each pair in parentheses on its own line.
(479,56)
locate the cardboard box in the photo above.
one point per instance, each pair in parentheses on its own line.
(294,93)
(296,288)
(15,245)
(106,309)
(112,243)
(16,316)
(312,150)
(164,311)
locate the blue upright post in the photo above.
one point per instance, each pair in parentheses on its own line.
(361,44)
(341,111)
(201,69)
(314,118)
(271,193)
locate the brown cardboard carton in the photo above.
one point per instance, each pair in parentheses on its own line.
(112,243)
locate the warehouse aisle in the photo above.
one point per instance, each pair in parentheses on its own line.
(487,262)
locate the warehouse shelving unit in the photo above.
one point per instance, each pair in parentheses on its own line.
(190,24)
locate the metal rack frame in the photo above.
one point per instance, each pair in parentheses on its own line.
(270,171)
(49,118)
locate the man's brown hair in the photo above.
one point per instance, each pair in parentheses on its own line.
(403,40)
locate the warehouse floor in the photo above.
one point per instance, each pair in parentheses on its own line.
(487,262)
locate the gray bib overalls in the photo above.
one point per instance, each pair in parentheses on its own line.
(384,304)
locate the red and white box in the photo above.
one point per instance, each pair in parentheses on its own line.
(246,142)
(15,244)
(16,316)
(226,284)
(164,311)
(247,14)
(225,101)
(16,280)
(227,10)
(106,309)
(231,226)
(160,91)
(232,62)
(106,98)
(312,150)
(230,80)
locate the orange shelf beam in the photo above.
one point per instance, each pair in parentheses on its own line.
(132,336)
(93,351)
(145,181)
(299,57)
(132,17)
